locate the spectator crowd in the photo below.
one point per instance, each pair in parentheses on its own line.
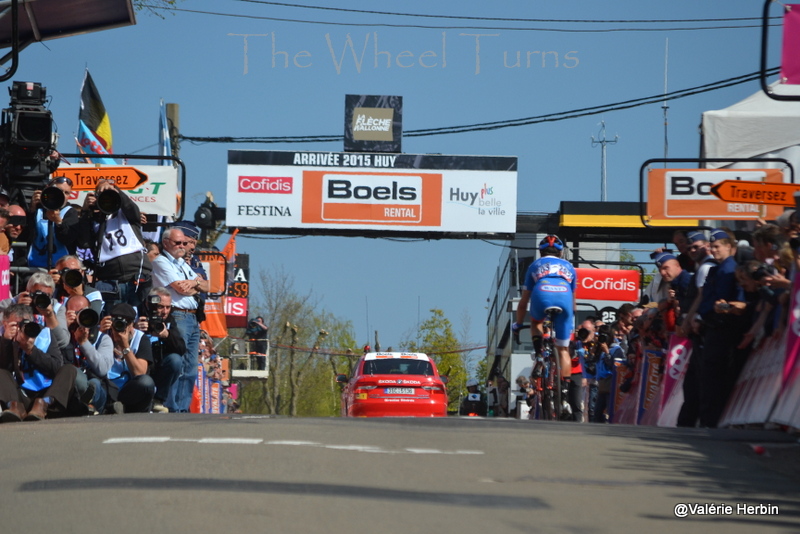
(102,317)
(724,291)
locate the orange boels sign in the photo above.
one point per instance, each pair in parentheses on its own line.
(607,284)
(85,178)
(379,198)
(688,194)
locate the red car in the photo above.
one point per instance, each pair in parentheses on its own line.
(394,384)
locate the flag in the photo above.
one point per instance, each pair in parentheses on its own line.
(164,143)
(230,252)
(94,127)
(790,53)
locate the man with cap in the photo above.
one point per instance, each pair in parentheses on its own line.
(473,403)
(688,327)
(675,281)
(721,331)
(171,271)
(128,380)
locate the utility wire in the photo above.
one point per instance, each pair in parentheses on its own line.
(430,27)
(499,19)
(496,125)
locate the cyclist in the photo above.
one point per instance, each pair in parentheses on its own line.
(550,282)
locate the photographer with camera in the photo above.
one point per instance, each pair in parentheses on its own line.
(33,383)
(111,228)
(93,360)
(128,380)
(53,222)
(38,295)
(168,348)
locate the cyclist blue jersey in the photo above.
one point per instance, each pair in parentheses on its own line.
(552,282)
(547,268)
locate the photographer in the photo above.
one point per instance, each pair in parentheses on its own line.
(585,353)
(606,351)
(93,360)
(473,404)
(168,347)
(53,222)
(33,383)
(111,228)
(129,382)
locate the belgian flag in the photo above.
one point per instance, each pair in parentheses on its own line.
(94,128)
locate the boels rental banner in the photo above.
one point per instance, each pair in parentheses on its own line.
(675,194)
(345,192)
(154,188)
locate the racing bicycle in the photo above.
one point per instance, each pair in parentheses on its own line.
(546,375)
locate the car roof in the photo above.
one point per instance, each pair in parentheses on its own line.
(397,355)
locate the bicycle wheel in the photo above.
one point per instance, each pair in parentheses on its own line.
(555,372)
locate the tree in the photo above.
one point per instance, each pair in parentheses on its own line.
(304,347)
(154,7)
(436,338)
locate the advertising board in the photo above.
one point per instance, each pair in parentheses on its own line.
(674,194)
(621,285)
(335,192)
(154,188)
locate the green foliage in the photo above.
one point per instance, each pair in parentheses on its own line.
(627,256)
(438,341)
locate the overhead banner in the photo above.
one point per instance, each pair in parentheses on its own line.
(674,194)
(345,192)
(154,188)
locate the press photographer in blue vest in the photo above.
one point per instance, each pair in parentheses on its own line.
(54,223)
(128,379)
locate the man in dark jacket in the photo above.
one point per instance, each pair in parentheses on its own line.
(33,383)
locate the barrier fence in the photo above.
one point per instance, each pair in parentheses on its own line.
(767,392)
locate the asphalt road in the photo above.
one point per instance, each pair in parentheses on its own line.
(176,473)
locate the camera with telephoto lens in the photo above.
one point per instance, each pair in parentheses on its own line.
(71,277)
(88,318)
(109,201)
(603,334)
(53,198)
(120,324)
(582,333)
(40,300)
(30,328)
(155,324)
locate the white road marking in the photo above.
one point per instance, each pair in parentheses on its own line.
(256,441)
(138,440)
(232,441)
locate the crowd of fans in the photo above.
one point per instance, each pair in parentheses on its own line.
(101,317)
(725,291)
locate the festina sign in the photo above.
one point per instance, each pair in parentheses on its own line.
(608,284)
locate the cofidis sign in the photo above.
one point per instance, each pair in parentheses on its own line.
(608,284)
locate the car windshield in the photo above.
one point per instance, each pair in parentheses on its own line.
(398,367)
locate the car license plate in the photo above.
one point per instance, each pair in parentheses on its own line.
(399,391)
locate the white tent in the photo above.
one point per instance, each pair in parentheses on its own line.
(758,126)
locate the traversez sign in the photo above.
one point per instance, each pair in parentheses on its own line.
(348,191)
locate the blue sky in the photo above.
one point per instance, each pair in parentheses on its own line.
(198,61)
